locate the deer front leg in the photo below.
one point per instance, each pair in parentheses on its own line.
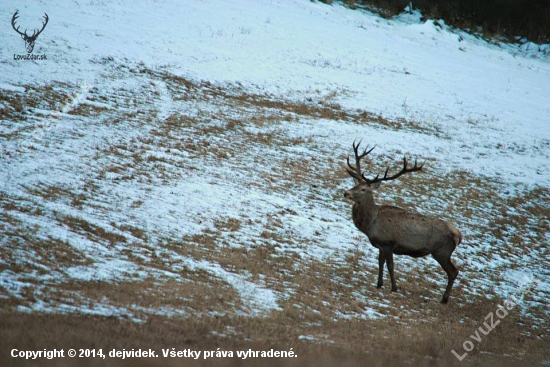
(388,252)
(381,261)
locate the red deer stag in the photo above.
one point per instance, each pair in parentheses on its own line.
(396,231)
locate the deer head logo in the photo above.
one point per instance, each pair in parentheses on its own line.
(29,40)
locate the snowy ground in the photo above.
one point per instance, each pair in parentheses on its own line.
(161,138)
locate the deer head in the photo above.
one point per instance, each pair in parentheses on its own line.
(29,40)
(364,185)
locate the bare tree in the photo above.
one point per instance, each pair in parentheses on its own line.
(396,231)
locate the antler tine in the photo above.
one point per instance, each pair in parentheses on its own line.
(378,175)
(46,18)
(13,19)
(355,172)
(43,26)
(404,170)
(365,152)
(356,153)
(369,181)
(349,165)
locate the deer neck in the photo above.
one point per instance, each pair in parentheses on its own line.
(364,211)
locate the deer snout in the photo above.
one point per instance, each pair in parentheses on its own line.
(347,194)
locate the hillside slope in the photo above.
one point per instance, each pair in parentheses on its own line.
(173,160)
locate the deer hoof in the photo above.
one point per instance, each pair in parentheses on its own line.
(379,286)
(394,289)
(444,301)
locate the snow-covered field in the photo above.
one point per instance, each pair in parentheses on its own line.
(160,138)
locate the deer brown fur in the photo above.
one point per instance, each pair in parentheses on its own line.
(396,231)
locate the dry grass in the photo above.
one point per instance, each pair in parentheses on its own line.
(350,343)
(19,105)
(326,300)
(92,231)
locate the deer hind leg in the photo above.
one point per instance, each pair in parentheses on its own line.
(388,253)
(452,273)
(381,261)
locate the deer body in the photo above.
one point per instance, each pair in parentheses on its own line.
(409,233)
(396,231)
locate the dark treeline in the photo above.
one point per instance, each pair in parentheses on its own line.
(510,18)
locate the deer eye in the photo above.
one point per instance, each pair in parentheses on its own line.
(363,189)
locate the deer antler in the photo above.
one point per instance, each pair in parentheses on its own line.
(356,173)
(404,170)
(43,26)
(36,31)
(13,19)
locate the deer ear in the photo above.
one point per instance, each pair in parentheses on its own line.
(375,185)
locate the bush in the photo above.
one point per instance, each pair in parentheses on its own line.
(509,18)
